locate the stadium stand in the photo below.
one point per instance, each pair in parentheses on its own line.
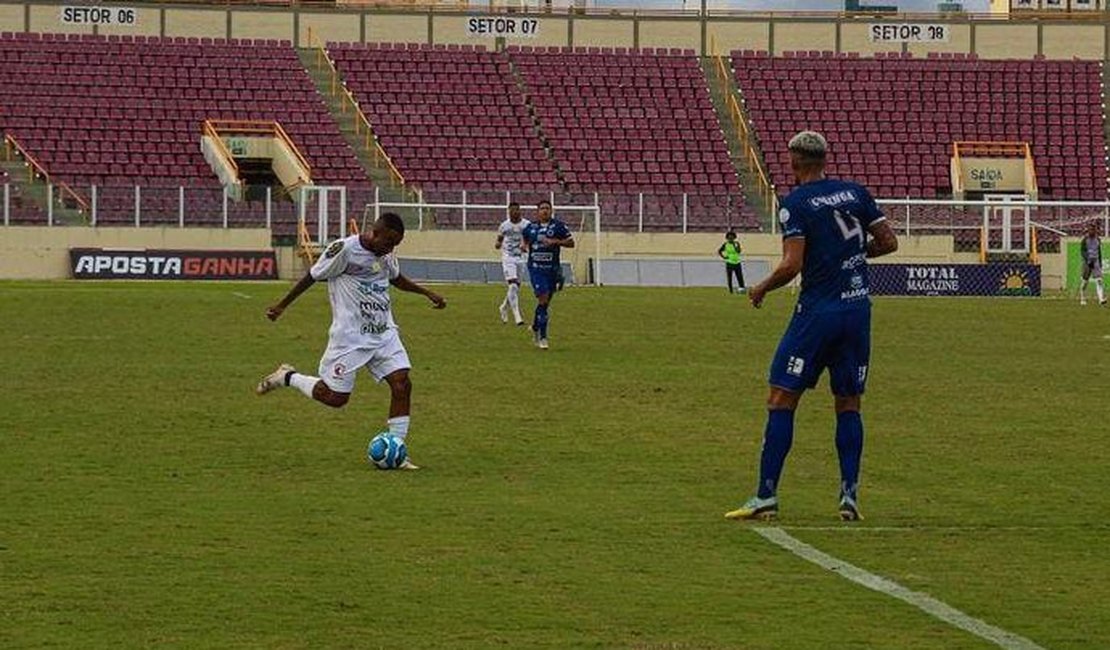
(624,122)
(118,112)
(891,120)
(449,117)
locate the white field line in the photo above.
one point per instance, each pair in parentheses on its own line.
(986,528)
(924,602)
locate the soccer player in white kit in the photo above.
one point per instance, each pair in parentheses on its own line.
(359,270)
(512,261)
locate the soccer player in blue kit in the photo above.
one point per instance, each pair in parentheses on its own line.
(543,238)
(825,223)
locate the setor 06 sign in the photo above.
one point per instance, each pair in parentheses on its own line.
(108,264)
(119,16)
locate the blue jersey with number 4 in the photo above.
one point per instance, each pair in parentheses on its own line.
(833,216)
(541,257)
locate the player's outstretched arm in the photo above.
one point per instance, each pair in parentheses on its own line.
(274,311)
(883,240)
(793,253)
(405,284)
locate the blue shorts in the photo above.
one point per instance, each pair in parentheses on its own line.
(839,341)
(543,280)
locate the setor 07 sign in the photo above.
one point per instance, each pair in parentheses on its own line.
(502,27)
(109,264)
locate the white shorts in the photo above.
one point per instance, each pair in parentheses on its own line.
(513,268)
(338,367)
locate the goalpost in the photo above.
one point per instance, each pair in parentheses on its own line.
(583,218)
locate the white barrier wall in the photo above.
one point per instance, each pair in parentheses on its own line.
(42,253)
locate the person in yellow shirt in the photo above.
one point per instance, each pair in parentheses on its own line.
(730,253)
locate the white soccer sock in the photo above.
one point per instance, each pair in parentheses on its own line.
(303,383)
(1098,289)
(514,298)
(399,426)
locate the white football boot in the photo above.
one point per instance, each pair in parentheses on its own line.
(274,380)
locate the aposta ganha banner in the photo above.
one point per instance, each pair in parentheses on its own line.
(110,264)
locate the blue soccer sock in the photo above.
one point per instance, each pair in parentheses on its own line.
(777,439)
(539,324)
(849,445)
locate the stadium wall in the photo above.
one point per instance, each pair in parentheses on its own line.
(42,253)
(991,37)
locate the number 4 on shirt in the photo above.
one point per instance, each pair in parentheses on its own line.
(856,230)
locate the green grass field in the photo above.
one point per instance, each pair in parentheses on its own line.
(568,499)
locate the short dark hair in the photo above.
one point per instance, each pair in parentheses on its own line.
(514,204)
(393,221)
(544,202)
(731,233)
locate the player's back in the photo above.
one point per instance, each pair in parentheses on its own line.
(833,216)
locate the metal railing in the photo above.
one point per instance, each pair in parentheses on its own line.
(744,135)
(347,102)
(35,170)
(173,206)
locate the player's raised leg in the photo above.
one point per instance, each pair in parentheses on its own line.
(312,387)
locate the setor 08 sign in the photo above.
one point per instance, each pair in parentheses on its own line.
(108,264)
(119,16)
(909,33)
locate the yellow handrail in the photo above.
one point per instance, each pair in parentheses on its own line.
(958,184)
(210,131)
(1030,167)
(304,243)
(744,134)
(347,102)
(11,143)
(267,128)
(280,132)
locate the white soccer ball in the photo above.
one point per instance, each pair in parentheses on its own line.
(386,451)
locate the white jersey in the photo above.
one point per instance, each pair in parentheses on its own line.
(358,287)
(511,238)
